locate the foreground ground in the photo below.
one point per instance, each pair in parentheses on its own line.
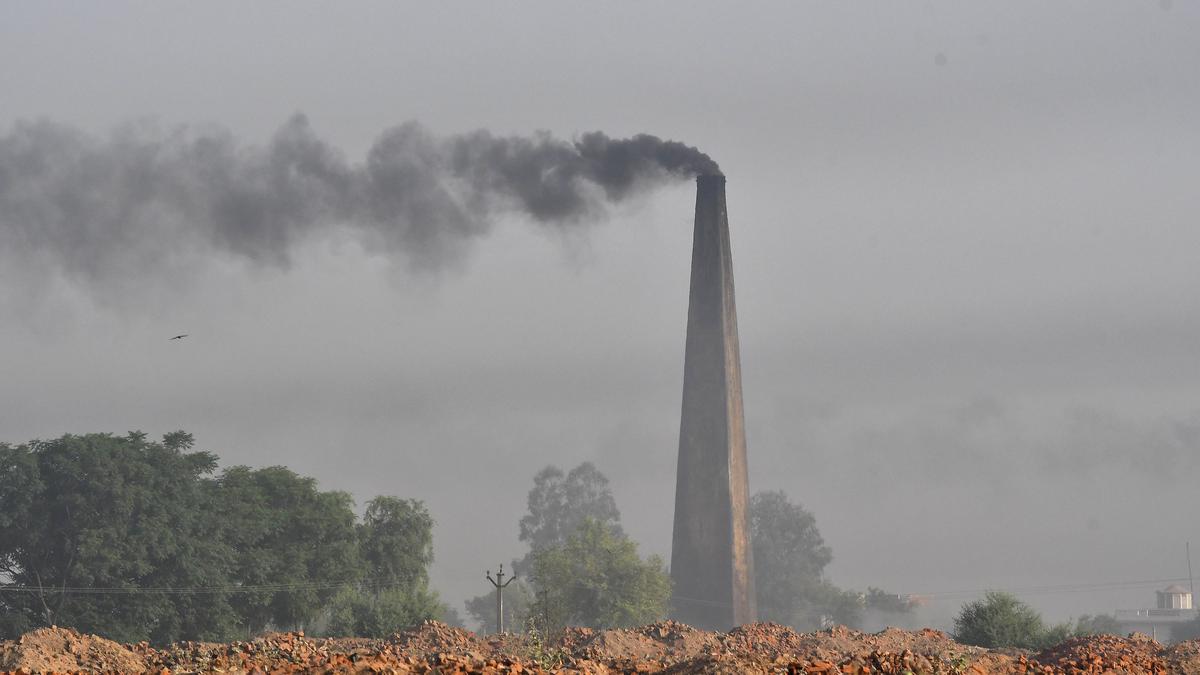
(666,647)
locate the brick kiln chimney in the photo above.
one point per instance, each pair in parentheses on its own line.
(711,563)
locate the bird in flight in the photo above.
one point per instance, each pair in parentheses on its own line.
(178,337)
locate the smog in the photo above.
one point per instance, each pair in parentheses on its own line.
(314,318)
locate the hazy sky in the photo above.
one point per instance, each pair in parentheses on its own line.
(965,242)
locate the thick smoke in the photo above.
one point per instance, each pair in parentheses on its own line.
(93,210)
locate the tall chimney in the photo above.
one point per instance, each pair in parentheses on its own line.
(711,561)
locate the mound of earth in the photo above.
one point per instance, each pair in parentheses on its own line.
(1183,657)
(273,651)
(667,647)
(1136,655)
(665,641)
(435,636)
(66,651)
(891,650)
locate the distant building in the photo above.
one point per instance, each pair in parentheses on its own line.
(1175,597)
(1174,608)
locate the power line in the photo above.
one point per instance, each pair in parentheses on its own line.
(183,590)
(379,583)
(970,593)
(1053,589)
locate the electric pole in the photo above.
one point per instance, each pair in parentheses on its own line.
(500,583)
(1191,584)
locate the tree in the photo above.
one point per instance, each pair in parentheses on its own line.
(790,557)
(558,504)
(20,490)
(999,620)
(116,513)
(396,543)
(357,612)
(451,617)
(135,540)
(881,601)
(1098,624)
(395,549)
(597,579)
(297,547)
(789,562)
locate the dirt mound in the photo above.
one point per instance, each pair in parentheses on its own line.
(666,647)
(274,651)
(64,650)
(575,638)
(437,637)
(842,650)
(1183,657)
(771,639)
(1135,655)
(665,641)
(730,664)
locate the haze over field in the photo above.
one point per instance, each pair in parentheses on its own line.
(964,240)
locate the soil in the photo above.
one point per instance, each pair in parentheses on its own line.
(63,650)
(667,647)
(1107,654)
(1183,657)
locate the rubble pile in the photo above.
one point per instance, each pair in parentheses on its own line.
(667,648)
(663,642)
(1136,654)
(287,652)
(435,636)
(1183,657)
(843,650)
(62,650)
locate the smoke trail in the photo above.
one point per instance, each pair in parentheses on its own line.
(141,201)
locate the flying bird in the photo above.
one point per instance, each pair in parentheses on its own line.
(178,337)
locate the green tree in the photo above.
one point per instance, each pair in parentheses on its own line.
(396,543)
(20,491)
(1098,624)
(451,617)
(830,604)
(94,529)
(1055,634)
(118,513)
(358,612)
(559,502)
(296,547)
(396,549)
(790,557)
(881,601)
(999,620)
(597,579)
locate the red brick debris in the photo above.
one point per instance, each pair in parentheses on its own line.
(667,647)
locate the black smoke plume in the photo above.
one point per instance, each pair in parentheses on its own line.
(140,201)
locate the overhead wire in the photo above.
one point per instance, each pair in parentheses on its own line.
(379,583)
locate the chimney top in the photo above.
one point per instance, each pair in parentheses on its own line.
(710,179)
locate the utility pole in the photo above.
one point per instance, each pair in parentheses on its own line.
(500,584)
(1191,584)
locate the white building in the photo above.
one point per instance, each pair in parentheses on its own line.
(1174,608)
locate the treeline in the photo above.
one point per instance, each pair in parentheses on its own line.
(1001,620)
(581,569)
(137,539)
(791,586)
